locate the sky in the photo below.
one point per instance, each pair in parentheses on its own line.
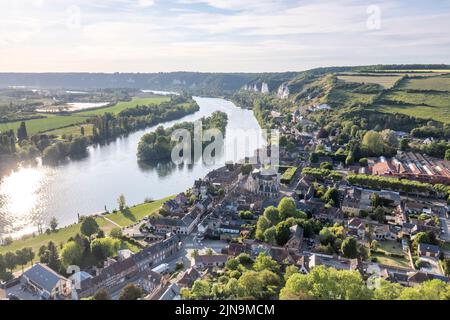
(219,35)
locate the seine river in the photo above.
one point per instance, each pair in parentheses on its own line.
(35,194)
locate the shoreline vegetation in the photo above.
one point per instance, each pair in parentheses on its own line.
(57,143)
(158,145)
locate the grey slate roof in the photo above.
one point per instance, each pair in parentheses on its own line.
(43,276)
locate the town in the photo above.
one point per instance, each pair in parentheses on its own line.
(245,230)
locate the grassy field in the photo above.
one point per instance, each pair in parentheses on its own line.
(392,261)
(424,105)
(125,105)
(432,83)
(422,112)
(384,81)
(53,122)
(45,124)
(73,130)
(62,235)
(137,213)
(439,100)
(345,98)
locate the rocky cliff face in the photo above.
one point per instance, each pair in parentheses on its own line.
(265,88)
(283,91)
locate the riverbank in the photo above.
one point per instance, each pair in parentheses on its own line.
(61,236)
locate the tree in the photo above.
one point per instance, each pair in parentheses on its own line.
(194,253)
(374,245)
(290,270)
(282,233)
(261,226)
(287,208)
(53,224)
(270,235)
(72,254)
(314,158)
(10,261)
(22,132)
(387,290)
(21,258)
(374,143)
(375,200)
(104,247)
(350,159)
(246,169)
(272,214)
(326,284)
(116,233)
(429,290)
(122,203)
(102,294)
(447,155)
(349,248)
(201,289)
(54,261)
(89,227)
(209,252)
(265,262)
(131,292)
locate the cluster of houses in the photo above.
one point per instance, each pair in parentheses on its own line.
(414,166)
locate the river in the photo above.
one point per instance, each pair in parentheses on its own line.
(33,194)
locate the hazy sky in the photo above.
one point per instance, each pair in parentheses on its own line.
(219,35)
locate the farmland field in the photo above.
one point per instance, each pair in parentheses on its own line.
(347,98)
(52,122)
(432,83)
(45,124)
(384,81)
(423,112)
(440,100)
(125,105)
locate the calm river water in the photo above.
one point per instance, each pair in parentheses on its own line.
(37,193)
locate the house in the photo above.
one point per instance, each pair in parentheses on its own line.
(356,227)
(359,199)
(187,278)
(235,249)
(185,225)
(264,183)
(383,232)
(330,261)
(46,283)
(117,272)
(172,207)
(418,277)
(295,242)
(172,293)
(428,250)
(200,188)
(150,281)
(181,199)
(208,261)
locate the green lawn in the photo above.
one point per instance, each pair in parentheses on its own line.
(432,83)
(74,131)
(346,98)
(390,247)
(125,105)
(391,261)
(422,112)
(45,124)
(384,81)
(137,213)
(439,100)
